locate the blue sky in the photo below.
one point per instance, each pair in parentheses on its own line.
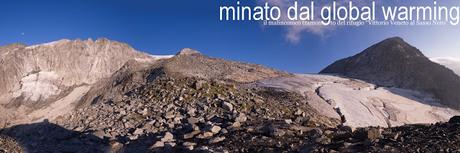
(164,27)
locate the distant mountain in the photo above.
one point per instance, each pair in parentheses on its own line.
(451,63)
(393,62)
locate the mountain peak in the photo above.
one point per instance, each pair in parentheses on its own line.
(188,51)
(394,48)
(393,62)
(56,66)
(395,39)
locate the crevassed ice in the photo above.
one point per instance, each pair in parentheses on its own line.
(364,105)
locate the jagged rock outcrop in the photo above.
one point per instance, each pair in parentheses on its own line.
(394,62)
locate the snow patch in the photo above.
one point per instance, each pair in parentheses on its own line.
(50,44)
(38,86)
(153,58)
(157,57)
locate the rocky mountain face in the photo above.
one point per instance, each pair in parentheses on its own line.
(395,63)
(62,63)
(56,74)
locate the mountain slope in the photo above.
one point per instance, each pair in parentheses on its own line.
(394,62)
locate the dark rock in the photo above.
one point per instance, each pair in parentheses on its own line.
(455,120)
(227,106)
(316,132)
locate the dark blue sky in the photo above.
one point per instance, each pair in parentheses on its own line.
(164,27)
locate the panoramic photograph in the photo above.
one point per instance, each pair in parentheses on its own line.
(224,76)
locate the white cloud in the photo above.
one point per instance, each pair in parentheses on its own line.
(449,62)
(294,32)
